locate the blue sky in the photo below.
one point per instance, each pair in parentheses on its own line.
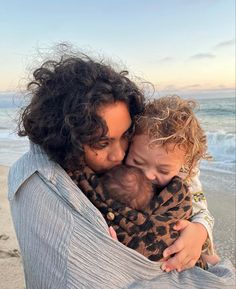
(178,45)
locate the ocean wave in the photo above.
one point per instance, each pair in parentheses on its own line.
(219,167)
(217,111)
(222,146)
(9,135)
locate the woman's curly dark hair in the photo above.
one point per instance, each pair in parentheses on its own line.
(66,94)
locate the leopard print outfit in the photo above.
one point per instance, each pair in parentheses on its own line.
(149,232)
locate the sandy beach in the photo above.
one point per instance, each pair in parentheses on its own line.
(11,272)
(220,192)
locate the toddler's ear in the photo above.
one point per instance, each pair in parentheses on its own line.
(182,175)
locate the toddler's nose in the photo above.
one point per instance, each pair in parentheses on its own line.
(150,175)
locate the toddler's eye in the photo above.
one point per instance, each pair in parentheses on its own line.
(164,172)
(137,162)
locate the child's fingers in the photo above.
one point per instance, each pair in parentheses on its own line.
(173,249)
(178,261)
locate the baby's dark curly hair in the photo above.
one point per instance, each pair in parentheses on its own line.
(65,96)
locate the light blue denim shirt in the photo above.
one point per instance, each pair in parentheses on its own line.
(64,239)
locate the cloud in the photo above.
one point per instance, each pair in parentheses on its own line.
(225,44)
(173,88)
(166,59)
(192,86)
(169,87)
(202,56)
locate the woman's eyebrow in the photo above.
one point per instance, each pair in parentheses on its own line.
(105,138)
(113,138)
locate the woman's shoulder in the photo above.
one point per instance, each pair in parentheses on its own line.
(36,172)
(35,160)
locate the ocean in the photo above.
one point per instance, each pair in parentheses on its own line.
(217,117)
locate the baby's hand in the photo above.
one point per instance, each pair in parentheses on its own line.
(112,233)
(187,248)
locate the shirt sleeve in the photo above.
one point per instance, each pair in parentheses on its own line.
(201,213)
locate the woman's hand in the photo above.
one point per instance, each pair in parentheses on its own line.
(187,248)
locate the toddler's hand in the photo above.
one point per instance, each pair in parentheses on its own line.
(187,248)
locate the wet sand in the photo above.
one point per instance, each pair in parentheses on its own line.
(220,190)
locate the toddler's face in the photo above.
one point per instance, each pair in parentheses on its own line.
(158,164)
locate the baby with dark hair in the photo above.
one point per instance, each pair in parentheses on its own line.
(128,185)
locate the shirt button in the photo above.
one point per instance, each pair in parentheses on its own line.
(110,216)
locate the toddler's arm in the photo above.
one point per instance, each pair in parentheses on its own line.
(201,213)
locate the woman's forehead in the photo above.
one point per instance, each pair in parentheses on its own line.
(117,118)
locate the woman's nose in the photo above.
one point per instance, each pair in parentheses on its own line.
(117,154)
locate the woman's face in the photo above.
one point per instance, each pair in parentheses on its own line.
(118,121)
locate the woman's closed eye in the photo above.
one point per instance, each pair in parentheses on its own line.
(100,145)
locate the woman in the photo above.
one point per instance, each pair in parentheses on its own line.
(80,114)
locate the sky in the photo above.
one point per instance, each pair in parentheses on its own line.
(180,46)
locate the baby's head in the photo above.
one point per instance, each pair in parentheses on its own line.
(168,139)
(128,185)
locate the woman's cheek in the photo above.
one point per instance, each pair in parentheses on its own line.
(101,156)
(125,145)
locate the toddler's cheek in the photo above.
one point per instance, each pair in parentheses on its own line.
(129,161)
